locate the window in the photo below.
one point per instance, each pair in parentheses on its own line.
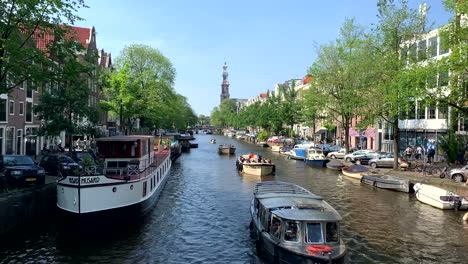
(332,232)
(314,233)
(404,54)
(412,53)
(35,112)
(443,79)
(422,52)
(443,45)
(28,112)
(23,85)
(432,82)
(275,228)
(3,110)
(1,140)
(12,107)
(443,110)
(421,110)
(9,140)
(412,110)
(29,90)
(388,132)
(431,111)
(432,47)
(21,109)
(291,232)
(19,141)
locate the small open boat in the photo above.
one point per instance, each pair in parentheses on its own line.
(387,182)
(277,147)
(292,225)
(355,171)
(253,164)
(226,149)
(213,141)
(335,165)
(439,198)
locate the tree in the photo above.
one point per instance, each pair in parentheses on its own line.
(310,113)
(344,76)
(22,23)
(65,105)
(398,24)
(289,105)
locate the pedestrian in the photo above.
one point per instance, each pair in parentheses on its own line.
(408,152)
(430,155)
(418,152)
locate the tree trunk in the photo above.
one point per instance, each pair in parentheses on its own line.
(395,144)
(346,130)
(121,118)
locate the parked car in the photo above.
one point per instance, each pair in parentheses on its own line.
(337,154)
(327,148)
(364,160)
(459,174)
(59,165)
(21,170)
(383,160)
(350,157)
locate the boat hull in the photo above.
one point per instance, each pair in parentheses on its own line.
(334,167)
(318,163)
(431,195)
(258,169)
(391,183)
(101,195)
(276,148)
(354,175)
(227,151)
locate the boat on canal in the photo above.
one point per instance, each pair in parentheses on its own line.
(439,198)
(335,165)
(262,144)
(255,165)
(387,182)
(213,141)
(355,171)
(129,183)
(297,153)
(293,225)
(276,147)
(226,149)
(316,157)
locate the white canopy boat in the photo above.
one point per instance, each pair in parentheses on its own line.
(439,198)
(255,165)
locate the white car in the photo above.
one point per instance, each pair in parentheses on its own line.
(362,152)
(337,154)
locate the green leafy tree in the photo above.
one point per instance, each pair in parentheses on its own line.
(344,74)
(22,22)
(396,86)
(289,106)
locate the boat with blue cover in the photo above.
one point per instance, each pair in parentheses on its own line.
(316,157)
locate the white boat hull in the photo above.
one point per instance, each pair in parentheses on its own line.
(354,175)
(259,170)
(90,194)
(276,148)
(431,195)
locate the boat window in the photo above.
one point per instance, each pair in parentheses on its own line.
(275,228)
(314,233)
(291,232)
(332,232)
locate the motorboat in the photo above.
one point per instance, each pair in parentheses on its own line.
(292,225)
(439,198)
(335,164)
(387,182)
(226,149)
(254,164)
(132,177)
(316,157)
(213,141)
(355,171)
(276,147)
(297,154)
(262,144)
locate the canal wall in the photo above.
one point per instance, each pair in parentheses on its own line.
(22,206)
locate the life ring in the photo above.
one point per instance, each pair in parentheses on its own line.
(320,248)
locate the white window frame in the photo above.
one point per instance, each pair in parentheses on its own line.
(11,112)
(21,108)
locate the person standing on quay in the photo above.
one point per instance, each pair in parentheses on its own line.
(418,152)
(430,155)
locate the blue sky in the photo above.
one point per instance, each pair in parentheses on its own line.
(264,42)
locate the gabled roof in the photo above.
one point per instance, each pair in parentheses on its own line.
(263,95)
(82,35)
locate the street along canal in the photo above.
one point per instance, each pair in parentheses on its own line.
(203,217)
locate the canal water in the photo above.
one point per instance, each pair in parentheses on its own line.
(203,216)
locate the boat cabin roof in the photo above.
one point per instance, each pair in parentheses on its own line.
(124,138)
(319,213)
(288,201)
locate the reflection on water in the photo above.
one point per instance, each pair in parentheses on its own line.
(203,217)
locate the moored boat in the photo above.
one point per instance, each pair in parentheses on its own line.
(387,182)
(297,153)
(439,198)
(315,157)
(277,147)
(262,144)
(335,165)
(213,141)
(293,225)
(226,149)
(255,165)
(131,179)
(355,171)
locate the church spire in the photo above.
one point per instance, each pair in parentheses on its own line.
(225,84)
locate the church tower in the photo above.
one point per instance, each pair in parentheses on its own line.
(225,84)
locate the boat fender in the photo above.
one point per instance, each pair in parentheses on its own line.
(319,248)
(465,217)
(374,184)
(274,169)
(458,205)
(362,179)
